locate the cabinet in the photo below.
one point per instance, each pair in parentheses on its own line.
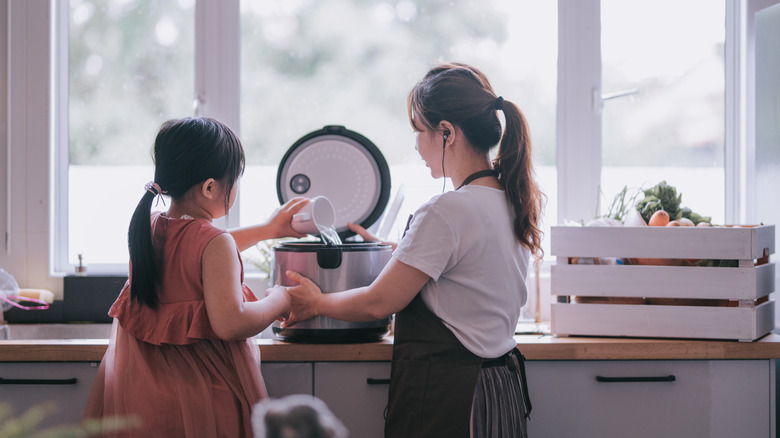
(685,398)
(283,379)
(65,384)
(356,393)
(607,398)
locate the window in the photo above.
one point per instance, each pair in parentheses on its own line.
(290,70)
(130,68)
(303,66)
(663,93)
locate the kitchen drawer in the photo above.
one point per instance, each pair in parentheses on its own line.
(356,393)
(283,379)
(725,398)
(66,384)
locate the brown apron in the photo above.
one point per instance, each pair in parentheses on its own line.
(432,378)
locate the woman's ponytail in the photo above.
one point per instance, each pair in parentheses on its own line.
(144,274)
(514,163)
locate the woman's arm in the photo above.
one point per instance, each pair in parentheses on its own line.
(231,317)
(278,225)
(394,288)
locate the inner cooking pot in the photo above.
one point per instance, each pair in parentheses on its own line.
(334,268)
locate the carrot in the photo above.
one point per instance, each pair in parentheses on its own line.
(659,219)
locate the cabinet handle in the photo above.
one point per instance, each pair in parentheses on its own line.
(669,378)
(71,381)
(373,381)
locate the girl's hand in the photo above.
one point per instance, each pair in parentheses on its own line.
(282,217)
(368,237)
(305,297)
(284,297)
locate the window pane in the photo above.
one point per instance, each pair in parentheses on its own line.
(130,67)
(308,64)
(670,55)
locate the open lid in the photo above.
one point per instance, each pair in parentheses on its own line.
(342,165)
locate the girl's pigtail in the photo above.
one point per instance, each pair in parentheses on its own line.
(144,272)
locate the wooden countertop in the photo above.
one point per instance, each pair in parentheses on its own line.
(534,347)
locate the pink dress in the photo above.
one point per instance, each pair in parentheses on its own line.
(166,366)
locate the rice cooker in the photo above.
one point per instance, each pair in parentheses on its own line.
(350,170)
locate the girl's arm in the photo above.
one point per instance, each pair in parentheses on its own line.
(278,225)
(394,288)
(231,317)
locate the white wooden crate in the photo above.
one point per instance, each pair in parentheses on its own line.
(741,319)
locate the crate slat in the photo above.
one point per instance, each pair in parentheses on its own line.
(663,281)
(733,323)
(723,243)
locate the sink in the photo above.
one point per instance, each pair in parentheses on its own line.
(14,332)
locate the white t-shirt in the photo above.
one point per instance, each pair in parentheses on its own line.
(463,240)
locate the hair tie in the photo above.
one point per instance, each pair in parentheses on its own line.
(497,104)
(155,189)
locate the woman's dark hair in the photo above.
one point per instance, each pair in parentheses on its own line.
(186,153)
(463,96)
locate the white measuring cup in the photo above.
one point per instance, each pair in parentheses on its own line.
(314,216)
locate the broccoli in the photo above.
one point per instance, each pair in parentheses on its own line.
(663,196)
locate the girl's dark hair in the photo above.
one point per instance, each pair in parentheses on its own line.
(463,96)
(186,153)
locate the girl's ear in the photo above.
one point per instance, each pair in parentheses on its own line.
(209,188)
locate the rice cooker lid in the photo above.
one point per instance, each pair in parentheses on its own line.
(342,165)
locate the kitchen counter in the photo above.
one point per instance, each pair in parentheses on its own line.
(534,347)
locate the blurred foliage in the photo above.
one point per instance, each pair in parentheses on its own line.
(304,64)
(27,425)
(123,82)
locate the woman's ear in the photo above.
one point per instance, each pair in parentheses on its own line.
(447,130)
(209,188)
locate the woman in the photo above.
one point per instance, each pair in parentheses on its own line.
(457,278)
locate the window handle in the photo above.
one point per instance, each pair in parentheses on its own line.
(199,105)
(598,99)
(669,378)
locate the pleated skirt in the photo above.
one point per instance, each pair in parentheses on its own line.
(501,405)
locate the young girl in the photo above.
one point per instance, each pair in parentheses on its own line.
(179,359)
(457,278)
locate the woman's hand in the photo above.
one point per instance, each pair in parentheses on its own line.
(281,218)
(368,237)
(304,298)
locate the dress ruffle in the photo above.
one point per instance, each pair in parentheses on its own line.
(179,323)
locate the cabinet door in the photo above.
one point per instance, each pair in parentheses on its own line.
(283,379)
(689,398)
(66,384)
(356,393)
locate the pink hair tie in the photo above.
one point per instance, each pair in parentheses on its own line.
(155,189)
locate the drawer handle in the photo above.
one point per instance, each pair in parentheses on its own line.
(669,378)
(71,381)
(373,381)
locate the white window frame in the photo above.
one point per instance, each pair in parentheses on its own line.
(32,197)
